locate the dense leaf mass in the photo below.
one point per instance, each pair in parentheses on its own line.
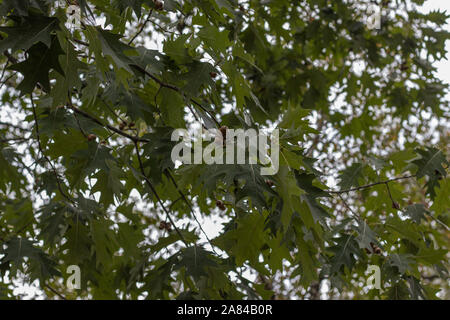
(87,179)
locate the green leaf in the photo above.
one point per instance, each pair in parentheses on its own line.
(244,242)
(136,5)
(430,164)
(14,7)
(216,40)
(440,202)
(349,177)
(31,30)
(78,244)
(401,261)
(305,182)
(196,260)
(317,210)
(105,242)
(366,236)
(164,242)
(307,266)
(399,291)
(416,212)
(40,265)
(70,78)
(345,251)
(199,75)
(41,59)
(177,50)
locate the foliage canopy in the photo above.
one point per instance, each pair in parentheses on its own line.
(86,176)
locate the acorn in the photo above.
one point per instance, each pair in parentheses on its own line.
(220,205)
(404,67)
(269,183)
(395,205)
(91,137)
(213,74)
(162,225)
(122,125)
(158,5)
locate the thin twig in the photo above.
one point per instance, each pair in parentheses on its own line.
(7,79)
(83,43)
(4,70)
(394,203)
(349,208)
(43,154)
(439,221)
(16,140)
(142,27)
(152,188)
(55,292)
(191,208)
(7,124)
(112,111)
(105,125)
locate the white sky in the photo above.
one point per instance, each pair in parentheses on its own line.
(444,65)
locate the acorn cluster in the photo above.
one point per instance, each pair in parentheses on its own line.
(220,205)
(375,249)
(123,125)
(158,4)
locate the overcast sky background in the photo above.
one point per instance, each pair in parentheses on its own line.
(213,227)
(444,65)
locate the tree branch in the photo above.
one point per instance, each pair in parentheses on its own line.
(142,27)
(141,166)
(7,124)
(191,209)
(370,185)
(105,125)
